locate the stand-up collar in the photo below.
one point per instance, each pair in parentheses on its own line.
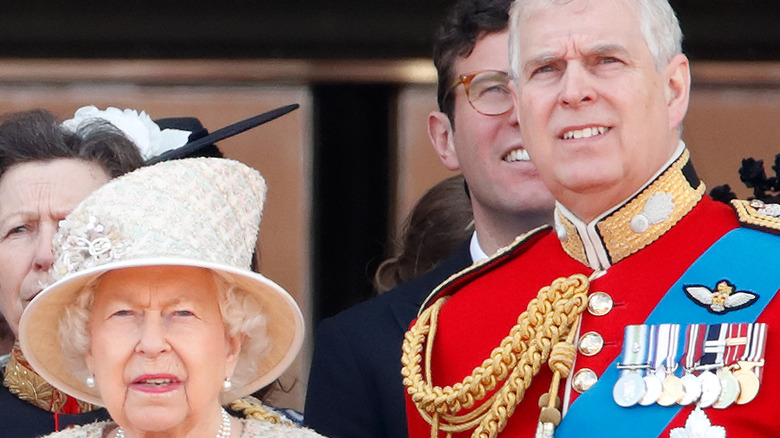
(638,221)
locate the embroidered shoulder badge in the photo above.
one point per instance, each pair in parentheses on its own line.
(758,214)
(723,299)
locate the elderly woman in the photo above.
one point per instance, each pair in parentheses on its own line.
(155,313)
(45,171)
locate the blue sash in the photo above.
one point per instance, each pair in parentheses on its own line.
(739,256)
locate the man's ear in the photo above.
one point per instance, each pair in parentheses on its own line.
(678,88)
(441,135)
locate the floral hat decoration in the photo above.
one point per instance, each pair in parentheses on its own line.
(201,212)
(169,138)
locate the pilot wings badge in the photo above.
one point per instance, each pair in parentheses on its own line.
(723,299)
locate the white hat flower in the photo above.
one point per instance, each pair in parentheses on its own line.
(139,128)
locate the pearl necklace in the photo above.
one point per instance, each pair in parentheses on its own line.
(223,432)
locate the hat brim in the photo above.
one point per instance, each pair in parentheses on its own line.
(223,133)
(39,326)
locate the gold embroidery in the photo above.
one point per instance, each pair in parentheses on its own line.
(26,384)
(749,215)
(573,244)
(619,240)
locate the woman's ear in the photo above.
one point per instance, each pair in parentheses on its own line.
(88,360)
(234,350)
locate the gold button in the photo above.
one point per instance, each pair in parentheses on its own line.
(583,380)
(590,344)
(599,303)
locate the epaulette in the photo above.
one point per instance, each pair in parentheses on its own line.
(502,256)
(758,215)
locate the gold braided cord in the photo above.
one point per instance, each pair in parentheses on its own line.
(546,323)
(561,362)
(252,408)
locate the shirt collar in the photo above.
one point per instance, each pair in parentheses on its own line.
(477,254)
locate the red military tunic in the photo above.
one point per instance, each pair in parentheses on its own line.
(640,267)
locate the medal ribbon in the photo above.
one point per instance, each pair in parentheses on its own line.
(714,347)
(736,344)
(662,347)
(749,349)
(634,355)
(756,346)
(694,345)
(654,359)
(672,341)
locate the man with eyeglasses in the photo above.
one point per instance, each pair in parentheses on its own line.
(355,387)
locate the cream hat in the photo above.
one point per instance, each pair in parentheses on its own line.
(201,212)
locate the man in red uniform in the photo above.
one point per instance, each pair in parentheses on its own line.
(355,387)
(645,282)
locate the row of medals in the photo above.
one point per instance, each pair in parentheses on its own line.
(720,389)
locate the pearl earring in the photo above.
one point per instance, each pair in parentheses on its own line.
(90,381)
(227,384)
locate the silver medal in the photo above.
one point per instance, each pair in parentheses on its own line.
(692,389)
(653,388)
(629,389)
(710,389)
(714,348)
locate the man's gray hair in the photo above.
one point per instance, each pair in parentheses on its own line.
(657,21)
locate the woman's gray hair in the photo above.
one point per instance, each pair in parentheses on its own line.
(242,314)
(657,21)
(74,331)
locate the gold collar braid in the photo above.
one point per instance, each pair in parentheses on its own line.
(21,380)
(636,223)
(545,330)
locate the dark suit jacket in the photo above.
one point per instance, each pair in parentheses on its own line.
(355,387)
